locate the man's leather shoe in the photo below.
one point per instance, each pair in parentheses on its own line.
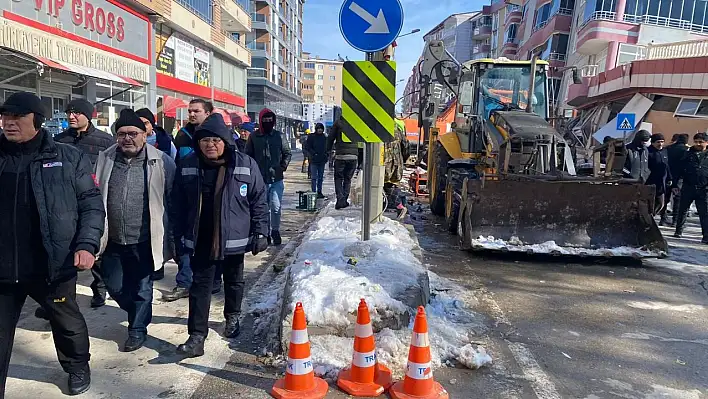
(175,294)
(194,347)
(232,328)
(79,381)
(134,342)
(99,299)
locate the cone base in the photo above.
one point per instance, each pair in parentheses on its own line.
(382,381)
(319,391)
(438,392)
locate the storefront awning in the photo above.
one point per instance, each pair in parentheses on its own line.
(170,105)
(94,73)
(224,114)
(244,116)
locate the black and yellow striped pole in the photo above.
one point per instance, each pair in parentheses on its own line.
(368,112)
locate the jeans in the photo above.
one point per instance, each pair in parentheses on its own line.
(69,330)
(343,173)
(317,173)
(688,195)
(184,272)
(200,293)
(126,272)
(275,198)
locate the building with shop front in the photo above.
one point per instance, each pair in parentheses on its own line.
(200,52)
(100,50)
(275,77)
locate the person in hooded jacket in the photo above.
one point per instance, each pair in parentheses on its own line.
(636,164)
(693,172)
(271,150)
(83,135)
(677,151)
(221,201)
(156,135)
(660,175)
(52,220)
(316,147)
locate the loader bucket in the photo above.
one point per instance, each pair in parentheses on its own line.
(585,217)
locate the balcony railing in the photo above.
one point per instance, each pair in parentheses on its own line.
(556,57)
(257,46)
(256,73)
(600,16)
(200,8)
(667,22)
(256,17)
(688,49)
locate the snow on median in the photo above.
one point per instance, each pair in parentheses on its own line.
(333,269)
(550,247)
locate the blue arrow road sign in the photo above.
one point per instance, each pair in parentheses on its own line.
(370,25)
(626,122)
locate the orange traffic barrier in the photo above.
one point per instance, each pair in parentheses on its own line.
(418,382)
(299,381)
(367,377)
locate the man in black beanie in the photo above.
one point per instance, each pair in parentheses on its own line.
(636,164)
(136,182)
(660,174)
(83,135)
(156,135)
(52,220)
(220,212)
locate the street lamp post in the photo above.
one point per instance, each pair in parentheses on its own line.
(416,30)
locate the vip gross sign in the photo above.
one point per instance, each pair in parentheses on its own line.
(371,25)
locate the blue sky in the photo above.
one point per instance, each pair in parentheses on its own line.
(322,36)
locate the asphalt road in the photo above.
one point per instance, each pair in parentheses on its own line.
(559,328)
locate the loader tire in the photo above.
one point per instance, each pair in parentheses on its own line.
(452,205)
(437,205)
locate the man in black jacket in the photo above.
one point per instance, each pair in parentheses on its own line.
(316,147)
(677,151)
(198,111)
(694,174)
(216,176)
(636,165)
(271,151)
(156,135)
(660,176)
(83,135)
(53,218)
(347,160)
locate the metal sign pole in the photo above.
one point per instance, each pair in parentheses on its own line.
(367,182)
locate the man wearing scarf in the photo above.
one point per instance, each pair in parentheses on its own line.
(220,212)
(136,182)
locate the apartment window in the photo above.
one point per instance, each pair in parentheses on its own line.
(510,34)
(320,77)
(556,47)
(200,8)
(320,87)
(692,107)
(320,67)
(332,78)
(629,52)
(320,98)
(332,67)
(309,65)
(331,98)
(542,15)
(308,76)
(332,88)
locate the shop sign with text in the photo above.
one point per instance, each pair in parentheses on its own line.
(105,24)
(184,61)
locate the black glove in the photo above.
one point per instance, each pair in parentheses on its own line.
(260,244)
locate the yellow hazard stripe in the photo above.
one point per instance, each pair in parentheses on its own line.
(386,86)
(371,105)
(357,124)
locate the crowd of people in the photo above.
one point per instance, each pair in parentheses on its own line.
(678,171)
(122,206)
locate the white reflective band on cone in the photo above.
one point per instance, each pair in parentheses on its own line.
(299,366)
(419,371)
(364,359)
(420,340)
(299,337)
(363,330)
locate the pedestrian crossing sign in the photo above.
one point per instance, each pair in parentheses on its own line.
(626,122)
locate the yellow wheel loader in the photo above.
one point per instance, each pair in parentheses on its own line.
(505,179)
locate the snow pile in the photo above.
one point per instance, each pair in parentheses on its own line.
(333,269)
(550,247)
(452,329)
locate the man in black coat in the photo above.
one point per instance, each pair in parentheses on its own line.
(660,175)
(347,159)
(198,111)
(693,172)
(220,211)
(677,151)
(83,135)
(316,147)
(52,219)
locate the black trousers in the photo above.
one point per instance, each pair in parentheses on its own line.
(343,173)
(69,329)
(98,285)
(688,195)
(203,271)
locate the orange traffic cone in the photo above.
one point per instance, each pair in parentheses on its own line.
(366,377)
(419,382)
(300,381)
